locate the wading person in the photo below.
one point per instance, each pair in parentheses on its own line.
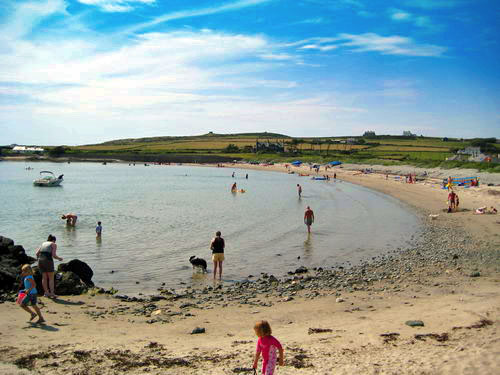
(308,218)
(217,246)
(70,219)
(46,254)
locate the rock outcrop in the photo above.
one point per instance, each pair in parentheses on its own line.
(72,278)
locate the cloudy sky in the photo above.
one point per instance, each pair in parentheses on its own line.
(86,71)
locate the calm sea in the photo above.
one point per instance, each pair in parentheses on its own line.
(154,218)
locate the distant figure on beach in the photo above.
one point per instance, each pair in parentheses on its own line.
(308,218)
(335,175)
(70,219)
(232,175)
(299,190)
(246,176)
(451,201)
(234,188)
(98,230)
(217,246)
(30,294)
(457,202)
(267,345)
(46,254)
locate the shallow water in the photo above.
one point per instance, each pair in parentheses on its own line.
(154,218)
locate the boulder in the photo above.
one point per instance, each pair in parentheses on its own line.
(68,283)
(18,253)
(6,242)
(8,276)
(79,268)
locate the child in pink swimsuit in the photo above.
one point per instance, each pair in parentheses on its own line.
(267,345)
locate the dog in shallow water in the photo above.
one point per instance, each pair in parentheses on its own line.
(198,262)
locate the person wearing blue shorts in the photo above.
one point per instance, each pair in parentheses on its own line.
(30,294)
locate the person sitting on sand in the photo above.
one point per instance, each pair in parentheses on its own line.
(234,188)
(30,294)
(480,210)
(70,219)
(493,210)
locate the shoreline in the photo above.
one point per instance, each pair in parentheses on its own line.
(432,282)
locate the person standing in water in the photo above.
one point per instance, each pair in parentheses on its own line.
(308,218)
(70,219)
(98,230)
(234,188)
(299,190)
(217,246)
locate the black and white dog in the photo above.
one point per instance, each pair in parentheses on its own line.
(198,262)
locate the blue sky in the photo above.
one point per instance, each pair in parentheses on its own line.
(85,71)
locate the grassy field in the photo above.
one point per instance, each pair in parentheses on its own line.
(422,151)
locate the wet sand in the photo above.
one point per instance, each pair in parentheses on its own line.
(448,280)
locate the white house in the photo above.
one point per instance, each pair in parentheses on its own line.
(471,151)
(27,149)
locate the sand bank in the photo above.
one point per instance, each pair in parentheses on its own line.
(449,281)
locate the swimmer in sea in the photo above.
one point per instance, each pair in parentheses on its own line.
(234,188)
(308,218)
(70,219)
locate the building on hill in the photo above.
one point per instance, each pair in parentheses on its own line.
(27,150)
(408,133)
(471,151)
(269,146)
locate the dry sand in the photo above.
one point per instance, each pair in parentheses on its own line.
(367,331)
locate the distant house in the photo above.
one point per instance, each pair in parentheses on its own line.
(27,150)
(473,152)
(408,133)
(351,141)
(269,147)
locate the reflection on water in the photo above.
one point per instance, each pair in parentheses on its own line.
(156,217)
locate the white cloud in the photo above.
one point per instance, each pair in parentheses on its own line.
(277,56)
(400,15)
(434,4)
(390,45)
(116,5)
(26,16)
(319,47)
(228,7)
(316,20)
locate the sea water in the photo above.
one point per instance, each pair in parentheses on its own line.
(155,217)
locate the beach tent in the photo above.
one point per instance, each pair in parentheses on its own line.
(296,163)
(335,163)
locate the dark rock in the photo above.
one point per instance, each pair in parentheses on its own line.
(475,274)
(68,283)
(414,323)
(81,269)
(8,276)
(301,269)
(198,330)
(6,242)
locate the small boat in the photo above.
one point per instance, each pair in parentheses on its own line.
(47,178)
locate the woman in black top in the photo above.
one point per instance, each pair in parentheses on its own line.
(217,246)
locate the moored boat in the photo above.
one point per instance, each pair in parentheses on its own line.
(47,178)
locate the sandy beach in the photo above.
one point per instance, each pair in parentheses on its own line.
(329,320)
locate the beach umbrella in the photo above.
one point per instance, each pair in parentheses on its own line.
(296,162)
(335,163)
